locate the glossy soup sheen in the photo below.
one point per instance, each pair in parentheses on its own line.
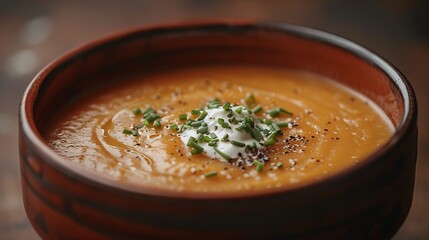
(336,128)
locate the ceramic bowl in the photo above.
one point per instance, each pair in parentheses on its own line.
(369,201)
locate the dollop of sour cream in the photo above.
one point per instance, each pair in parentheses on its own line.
(233,132)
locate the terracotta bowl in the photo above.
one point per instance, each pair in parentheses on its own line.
(369,201)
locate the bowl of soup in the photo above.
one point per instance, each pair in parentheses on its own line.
(218,129)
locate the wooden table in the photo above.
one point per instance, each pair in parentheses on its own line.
(32,33)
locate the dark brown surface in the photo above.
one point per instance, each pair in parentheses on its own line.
(394,29)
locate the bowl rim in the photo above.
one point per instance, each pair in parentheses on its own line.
(28,129)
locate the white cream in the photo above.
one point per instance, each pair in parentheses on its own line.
(226,147)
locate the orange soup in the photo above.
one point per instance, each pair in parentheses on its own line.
(220,128)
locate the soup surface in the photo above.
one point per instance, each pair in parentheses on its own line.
(325,128)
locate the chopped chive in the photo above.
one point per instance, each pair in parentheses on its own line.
(202,130)
(157,123)
(233,120)
(213,143)
(259,166)
(213,135)
(149,110)
(196,151)
(210,174)
(127,131)
(271,139)
(237,143)
(239,128)
(195,124)
(285,111)
(255,134)
(230,114)
(225,138)
(274,127)
(183,116)
(213,103)
(212,106)
(139,126)
(225,125)
(151,117)
(266,132)
(248,121)
(251,146)
(181,129)
(279,165)
(134,132)
(227,106)
(200,137)
(174,127)
(283,124)
(269,142)
(249,99)
(145,122)
(137,111)
(259,128)
(239,110)
(197,148)
(207,139)
(220,121)
(257,109)
(195,112)
(268,121)
(224,155)
(274,112)
(191,139)
(202,115)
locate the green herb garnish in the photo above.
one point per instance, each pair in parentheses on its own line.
(227,106)
(283,124)
(210,174)
(276,111)
(271,139)
(134,132)
(202,130)
(157,123)
(195,112)
(197,149)
(127,131)
(174,127)
(225,138)
(224,155)
(275,127)
(183,117)
(145,122)
(250,99)
(237,143)
(202,115)
(207,139)
(257,109)
(195,124)
(259,166)
(137,111)
(239,110)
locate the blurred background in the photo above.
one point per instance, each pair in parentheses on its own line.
(33,33)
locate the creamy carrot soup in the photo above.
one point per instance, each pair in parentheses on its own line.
(219,129)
